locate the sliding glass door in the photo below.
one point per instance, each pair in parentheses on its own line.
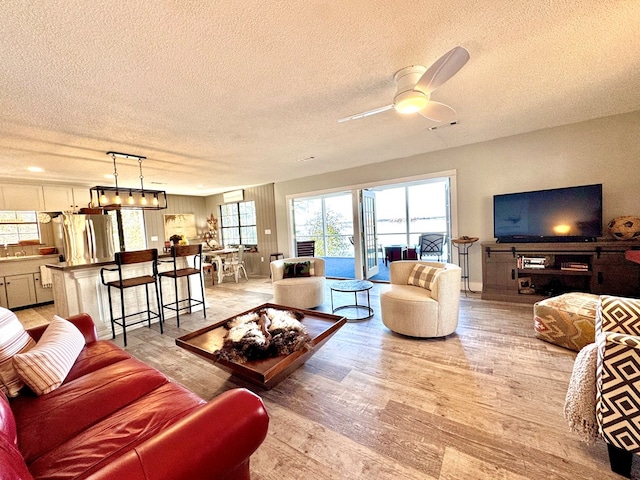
(352,229)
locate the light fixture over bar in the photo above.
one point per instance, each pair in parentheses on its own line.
(113,198)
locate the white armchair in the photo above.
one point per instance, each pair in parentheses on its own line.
(420,312)
(298,292)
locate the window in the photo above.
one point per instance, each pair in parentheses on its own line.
(238,223)
(328,221)
(17,226)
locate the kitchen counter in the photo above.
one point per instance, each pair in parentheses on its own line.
(25,257)
(98,262)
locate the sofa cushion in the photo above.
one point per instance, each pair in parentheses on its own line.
(68,411)
(423,276)
(408,293)
(115,435)
(94,356)
(45,366)
(13,339)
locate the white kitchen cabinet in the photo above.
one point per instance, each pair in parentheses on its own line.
(57,199)
(3,294)
(22,197)
(20,290)
(81,197)
(20,283)
(43,295)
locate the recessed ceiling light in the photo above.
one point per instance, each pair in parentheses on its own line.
(108,175)
(35,169)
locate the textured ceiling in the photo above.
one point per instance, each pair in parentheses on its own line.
(220,95)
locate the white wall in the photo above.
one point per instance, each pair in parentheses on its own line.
(605,150)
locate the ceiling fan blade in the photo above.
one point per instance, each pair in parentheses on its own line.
(443,69)
(366,114)
(438,112)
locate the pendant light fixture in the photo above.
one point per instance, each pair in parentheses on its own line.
(109,197)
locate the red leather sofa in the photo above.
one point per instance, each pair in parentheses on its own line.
(115,417)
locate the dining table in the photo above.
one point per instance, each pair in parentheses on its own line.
(218,257)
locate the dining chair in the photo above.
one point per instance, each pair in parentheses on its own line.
(236,264)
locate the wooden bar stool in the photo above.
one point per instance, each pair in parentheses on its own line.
(179,271)
(129,258)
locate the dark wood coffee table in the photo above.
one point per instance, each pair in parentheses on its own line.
(268,372)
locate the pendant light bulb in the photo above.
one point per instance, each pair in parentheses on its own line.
(143,199)
(155,199)
(131,199)
(103,198)
(116,199)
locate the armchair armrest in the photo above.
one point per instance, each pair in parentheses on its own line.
(83,321)
(214,441)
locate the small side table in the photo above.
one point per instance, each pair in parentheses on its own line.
(463,244)
(353,286)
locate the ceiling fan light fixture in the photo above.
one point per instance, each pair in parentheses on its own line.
(410,101)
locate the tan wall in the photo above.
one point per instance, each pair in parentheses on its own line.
(154,219)
(605,150)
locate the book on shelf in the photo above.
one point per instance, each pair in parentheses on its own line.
(575,266)
(531,262)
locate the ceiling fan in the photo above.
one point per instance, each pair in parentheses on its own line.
(416,84)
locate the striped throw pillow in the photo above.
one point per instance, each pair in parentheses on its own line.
(45,366)
(423,276)
(13,339)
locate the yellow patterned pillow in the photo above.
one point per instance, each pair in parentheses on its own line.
(423,276)
(45,366)
(13,339)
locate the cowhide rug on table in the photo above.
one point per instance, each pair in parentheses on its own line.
(263,334)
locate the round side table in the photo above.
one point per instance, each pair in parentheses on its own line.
(463,244)
(353,286)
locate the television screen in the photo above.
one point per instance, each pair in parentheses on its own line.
(560,214)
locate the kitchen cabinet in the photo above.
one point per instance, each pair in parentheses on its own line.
(20,290)
(81,197)
(57,199)
(61,199)
(20,284)
(43,295)
(22,197)
(3,294)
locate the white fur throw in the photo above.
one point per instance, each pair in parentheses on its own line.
(264,333)
(580,402)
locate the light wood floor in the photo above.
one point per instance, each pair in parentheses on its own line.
(484,404)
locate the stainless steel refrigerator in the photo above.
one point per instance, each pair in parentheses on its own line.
(84,238)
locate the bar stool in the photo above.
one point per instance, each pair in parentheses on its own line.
(130,258)
(184,251)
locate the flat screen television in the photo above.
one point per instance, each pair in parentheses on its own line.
(557,215)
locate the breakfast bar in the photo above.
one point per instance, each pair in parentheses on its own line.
(77,288)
